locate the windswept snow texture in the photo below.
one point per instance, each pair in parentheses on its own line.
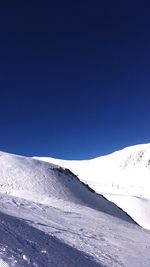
(33,234)
(22,244)
(48,218)
(122,177)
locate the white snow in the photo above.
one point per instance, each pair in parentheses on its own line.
(34,234)
(122,177)
(46,183)
(48,218)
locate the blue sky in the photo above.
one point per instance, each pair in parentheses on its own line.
(74,75)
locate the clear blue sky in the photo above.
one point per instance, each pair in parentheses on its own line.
(74,77)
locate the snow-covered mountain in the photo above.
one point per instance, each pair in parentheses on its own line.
(122,177)
(49,218)
(47,183)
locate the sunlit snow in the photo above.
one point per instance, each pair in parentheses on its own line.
(49,218)
(122,177)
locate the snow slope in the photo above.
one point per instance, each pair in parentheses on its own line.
(122,177)
(48,218)
(47,183)
(33,234)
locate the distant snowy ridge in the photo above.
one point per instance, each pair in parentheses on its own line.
(122,177)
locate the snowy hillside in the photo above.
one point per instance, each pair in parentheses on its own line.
(122,177)
(48,218)
(47,183)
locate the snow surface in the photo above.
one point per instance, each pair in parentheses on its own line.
(47,183)
(33,234)
(48,218)
(122,177)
